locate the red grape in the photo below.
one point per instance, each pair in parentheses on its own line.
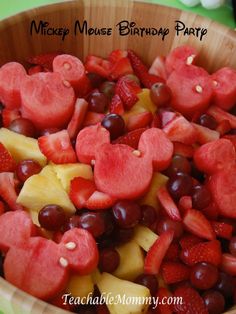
(27,168)
(123,235)
(49,131)
(179,185)
(208,121)
(108,88)
(52,217)
(149,281)
(23,126)
(214,301)
(179,164)
(204,276)
(160,94)
(127,214)
(115,124)
(149,215)
(95,79)
(93,222)
(201,197)
(109,260)
(225,285)
(168,224)
(98,102)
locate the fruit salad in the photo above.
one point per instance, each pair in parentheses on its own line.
(118,178)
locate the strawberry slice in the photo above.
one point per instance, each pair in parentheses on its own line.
(57,147)
(141,71)
(172,254)
(205,135)
(7,190)
(117,55)
(158,67)
(131,138)
(180,130)
(99,201)
(80,191)
(162,154)
(93,118)
(228,264)
(214,156)
(76,122)
(168,204)
(7,163)
(223,127)
(222,229)
(127,89)
(221,115)
(9,115)
(89,141)
(183,150)
(174,272)
(224,88)
(37,260)
(157,252)
(139,120)
(116,105)
(223,188)
(120,68)
(164,308)
(83,258)
(191,301)
(188,241)
(15,228)
(45,59)
(35,69)
(209,252)
(185,203)
(98,65)
(211,211)
(197,224)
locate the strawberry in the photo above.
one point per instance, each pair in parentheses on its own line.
(191,303)
(92,118)
(35,69)
(222,229)
(57,147)
(221,115)
(211,211)
(120,68)
(116,105)
(223,127)
(78,117)
(158,67)
(188,241)
(141,71)
(99,200)
(98,65)
(198,225)
(80,191)
(139,120)
(157,252)
(131,138)
(209,252)
(183,150)
(228,264)
(45,59)
(168,204)
(172,254)
(173,272)
(7,163)
(117,55)
(164,308)
(9,115)
(185,203)
(205,135)
(127,89)
(7,190)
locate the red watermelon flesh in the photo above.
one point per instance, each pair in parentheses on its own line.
(191,88)
(35,268)
(223,188)
(156,146)
(89,140)
(120,173)
(46,100)
(224,88)
(214,156)
(11,76)
(16,227)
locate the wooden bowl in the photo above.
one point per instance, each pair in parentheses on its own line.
(217,49)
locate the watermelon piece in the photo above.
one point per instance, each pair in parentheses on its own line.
(221,115)
(180,130)
(162,154)
(79,249)
(214,156)
(46,100)
(183,150)
(76,122)
(16,227)
(158,67)
(11,76)
(89,141)
(73,71)
(223,188)
(205,135)
(34,267)
(191,88)
(120,173)
(224,88)
(183,55)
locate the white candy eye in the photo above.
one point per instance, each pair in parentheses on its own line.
(190,3)
(212,4)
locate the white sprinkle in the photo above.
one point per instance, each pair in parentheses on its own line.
(215,83)
(63,262)
(190,59)
(67,66)
(93,162)
(66,83)
(137,153)
(70,245)
(199,89)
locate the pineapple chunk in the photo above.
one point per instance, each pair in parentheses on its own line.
(80,286)
(96,276)
(43,189)
(145,101)
(21,147)
(144,237)
(67,172)
(150,198)
(131,261)
(129,297)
